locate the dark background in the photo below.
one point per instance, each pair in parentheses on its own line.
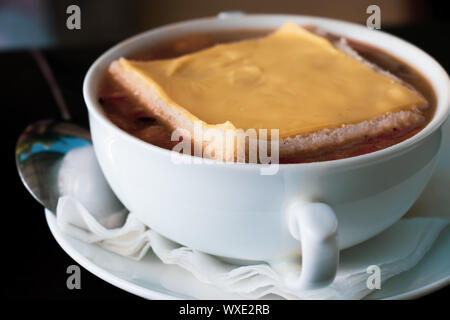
(35,266)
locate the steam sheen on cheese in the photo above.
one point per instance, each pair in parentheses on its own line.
(291,80)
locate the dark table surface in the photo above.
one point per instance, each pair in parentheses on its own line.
(35,264)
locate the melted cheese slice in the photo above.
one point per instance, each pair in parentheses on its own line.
(291,80)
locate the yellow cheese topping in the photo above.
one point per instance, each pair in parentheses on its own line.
(291,80)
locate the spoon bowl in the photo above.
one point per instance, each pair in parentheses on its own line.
(55,159)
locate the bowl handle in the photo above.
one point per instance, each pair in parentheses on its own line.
(315,225)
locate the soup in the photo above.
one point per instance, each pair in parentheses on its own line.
(125,111)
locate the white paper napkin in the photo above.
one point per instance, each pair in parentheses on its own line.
(395,250)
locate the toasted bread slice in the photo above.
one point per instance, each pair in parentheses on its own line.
(317,94)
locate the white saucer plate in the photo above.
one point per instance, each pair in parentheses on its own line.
(151,279)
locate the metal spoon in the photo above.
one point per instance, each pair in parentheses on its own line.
(40,152)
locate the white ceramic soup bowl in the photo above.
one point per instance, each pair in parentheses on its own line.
(231,210)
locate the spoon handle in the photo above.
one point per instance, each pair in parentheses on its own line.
(53,84)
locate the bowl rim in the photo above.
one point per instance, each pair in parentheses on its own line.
(441,113)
